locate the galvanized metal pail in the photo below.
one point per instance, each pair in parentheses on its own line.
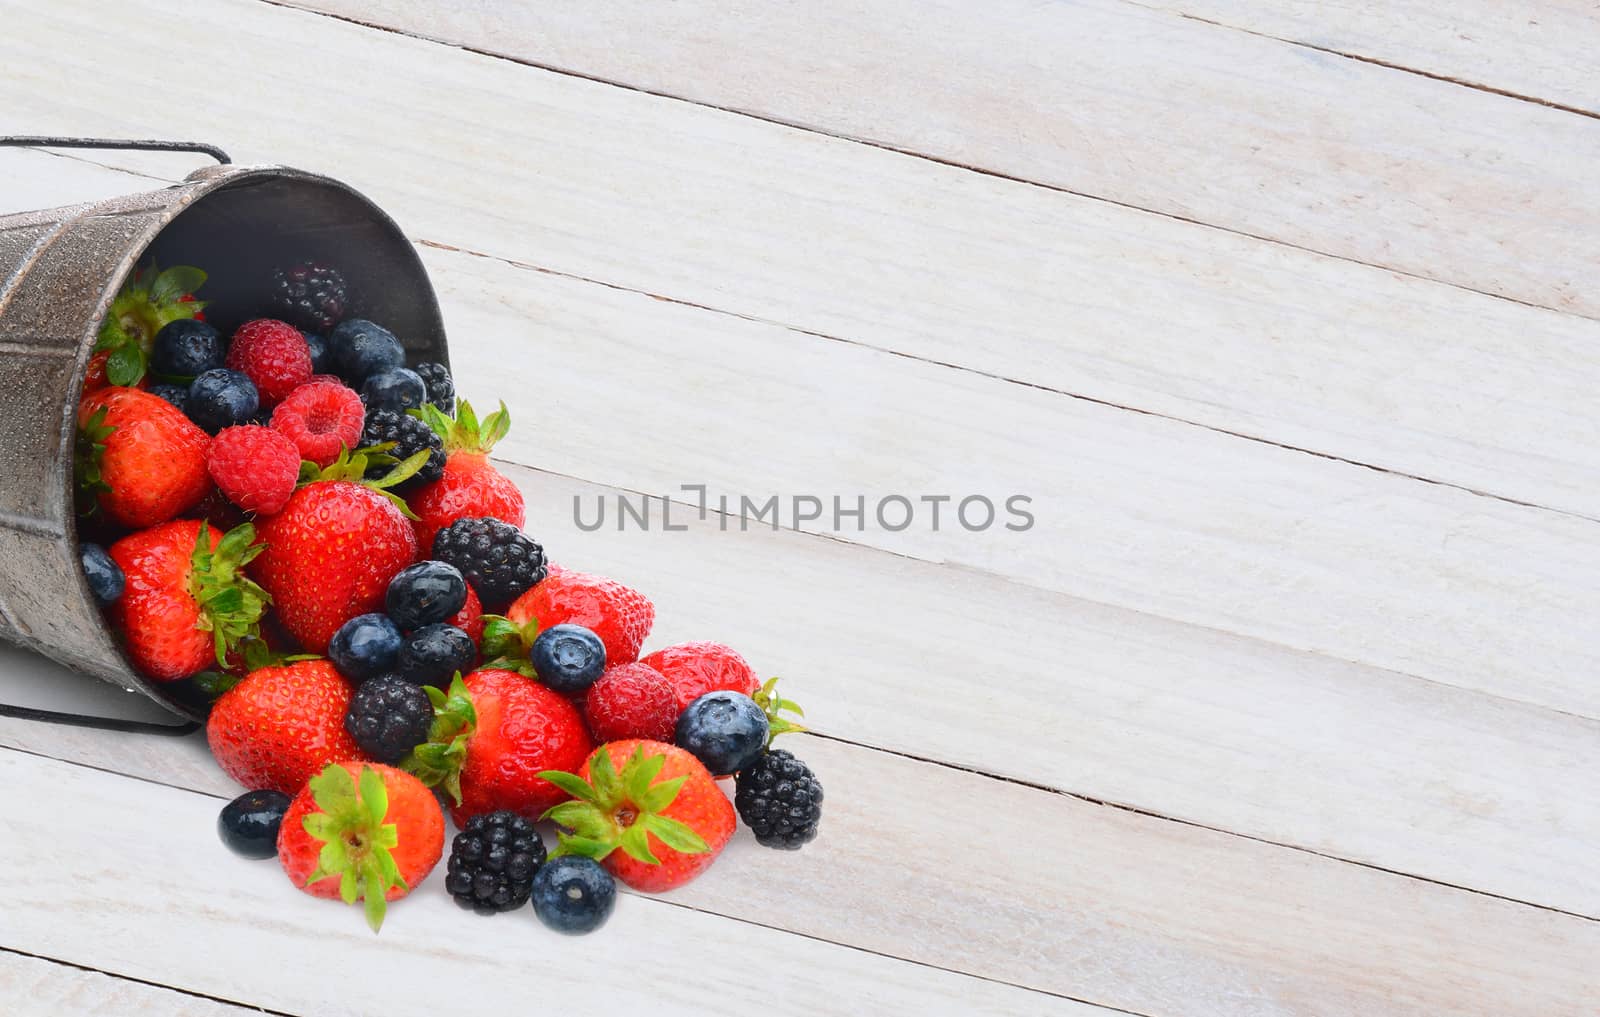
(59,271)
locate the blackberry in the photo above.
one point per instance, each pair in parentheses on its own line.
(388,717)
(310,296)
(441,387)
(177,395)
(492,862)
(410,436)
(780,800)
(499,560)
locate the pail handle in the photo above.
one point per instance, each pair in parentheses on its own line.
(122,144)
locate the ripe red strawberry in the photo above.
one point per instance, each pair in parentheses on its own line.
(653,801)
(470,618)
(631,701)
(620,615)
(333,549)
(493,733)
(280,725)
(256,467)
(697,668)
(361,831)
(322,418)
(146,302)
(471,486)
(186,602)
(138,457)
(274,355)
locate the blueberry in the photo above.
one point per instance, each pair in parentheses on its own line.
(568,658)
(425,593)
(365,646)
(398,389)
(249,824)
(177,395)
(321,355)
(221,398)
(434,653)
(573,894)
(104,575)
(186,349)
(361,348)
(724,730)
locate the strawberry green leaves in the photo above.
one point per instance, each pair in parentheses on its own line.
(231,604)
(150,300)
(88,455)
(612,811)
(356,842)
(774,706)
(505,644)
(465,432)
(437,762)
(354,466)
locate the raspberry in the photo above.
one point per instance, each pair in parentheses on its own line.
(631,701)
(492,862)
(256,467)
(410,436)
(321,418)
(780,799)
(311,295)
(499,560)
(620,615)
(273,354)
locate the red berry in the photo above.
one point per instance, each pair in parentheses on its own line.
(321,418)
(470,618)
(274,355)
(255,466)
(631,701)
(694,669)
(620,615)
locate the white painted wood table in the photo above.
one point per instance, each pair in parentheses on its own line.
(1283,315)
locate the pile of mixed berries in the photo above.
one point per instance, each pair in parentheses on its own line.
(294,526)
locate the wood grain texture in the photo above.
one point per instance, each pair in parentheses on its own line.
(1040,888)
(1541,49)
(878,249)
(1112,99)
(31,987)
(965,668)
(1131,510)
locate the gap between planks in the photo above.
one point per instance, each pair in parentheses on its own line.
(155,1001)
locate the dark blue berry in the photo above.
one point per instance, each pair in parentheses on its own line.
(185,349)
(104,575)
(568,658)
(726,731)
(434,653)
(249,824)
(361,348)
(397,389)
(221,398)
(365,646)
(425,593)
(574,895)
(177,395)
(493,861)
(321,355)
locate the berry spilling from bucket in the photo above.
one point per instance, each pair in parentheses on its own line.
(297,525)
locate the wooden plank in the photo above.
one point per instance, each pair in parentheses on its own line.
(934,262)
(1113,99)
(33,987)
(1394,772)
(1130,510)
(1126,910)
(189,925)
(1540,49)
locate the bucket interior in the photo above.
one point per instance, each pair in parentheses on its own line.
(260,219)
